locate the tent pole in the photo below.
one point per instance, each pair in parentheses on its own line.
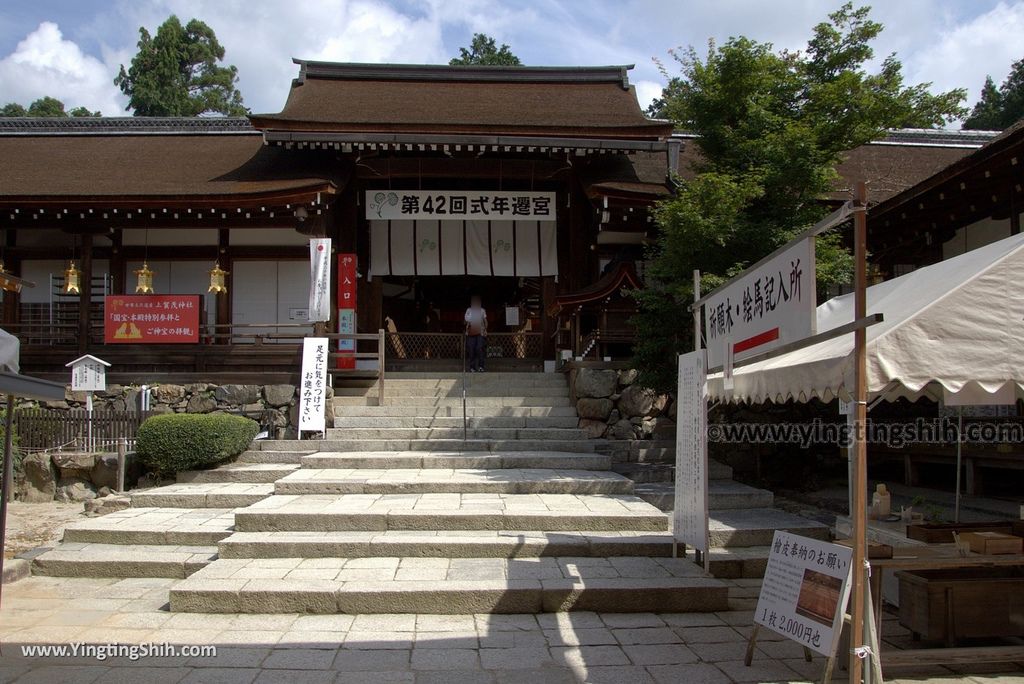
(959,460)
(859,513)
(7,488)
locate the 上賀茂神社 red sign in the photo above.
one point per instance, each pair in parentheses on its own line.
(151,319)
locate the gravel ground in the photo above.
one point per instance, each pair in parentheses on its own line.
(37,524)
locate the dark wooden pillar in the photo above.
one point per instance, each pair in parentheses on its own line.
(1014,211)
(223,299)
(85,294)
(12,300)
(118,265)
(547,298)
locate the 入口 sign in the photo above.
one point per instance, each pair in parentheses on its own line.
(805,590)
(770,305)
(484,205)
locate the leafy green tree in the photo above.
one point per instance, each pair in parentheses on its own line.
(13,109)
(177,72)
(44,107)
(999,108)
(484,51)
(771,127)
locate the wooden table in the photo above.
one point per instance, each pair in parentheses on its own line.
(940,557)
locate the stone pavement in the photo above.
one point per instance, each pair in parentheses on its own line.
(634,648)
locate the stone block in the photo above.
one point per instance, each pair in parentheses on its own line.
(593,429)
(279,395)
(636,401)
(169,393)
(595,383)
(237,395)
(74,464)
(74,489)
(201,403)
(594,409)
(39,483)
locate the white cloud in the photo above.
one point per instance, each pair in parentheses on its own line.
(44,63)
(646,91)
(962,55)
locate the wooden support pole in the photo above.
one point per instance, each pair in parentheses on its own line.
(860,483)
(223,299)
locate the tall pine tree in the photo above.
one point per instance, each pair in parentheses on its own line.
(177,72)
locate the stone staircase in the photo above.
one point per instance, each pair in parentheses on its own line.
(394,512)
(742,520)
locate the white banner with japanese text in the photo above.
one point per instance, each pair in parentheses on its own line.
(456,247)
(484,205)
(805,590)
(313,390)
(771,305)
(319,279)
(690,517)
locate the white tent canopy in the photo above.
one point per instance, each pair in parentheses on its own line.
(956,327)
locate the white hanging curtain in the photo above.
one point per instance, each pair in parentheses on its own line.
(428,247)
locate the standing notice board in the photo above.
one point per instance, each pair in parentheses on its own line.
(805,591)
(690,517)
(313,391)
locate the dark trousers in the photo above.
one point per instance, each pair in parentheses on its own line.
(476,350)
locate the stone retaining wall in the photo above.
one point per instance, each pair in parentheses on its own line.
(612,406)
(73,475)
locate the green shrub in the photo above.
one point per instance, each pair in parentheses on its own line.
(182,441)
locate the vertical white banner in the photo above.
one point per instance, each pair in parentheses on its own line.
(690,517)
(319,279)
(313,390)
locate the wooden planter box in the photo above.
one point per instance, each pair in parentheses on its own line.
(967,603)
(942,533)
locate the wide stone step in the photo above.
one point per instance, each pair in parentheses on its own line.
(493,445)
(273,456)
(757,526)
(401,379)
(155,526)
(202,495)
(449,586)
(457,459)
(745,562)
(75,559)
(722,495)
(504,400)
(451,481)
(455,433)
(380,512)
(444,544)
(454,411)
(455,422)
(472,391)
(250,473)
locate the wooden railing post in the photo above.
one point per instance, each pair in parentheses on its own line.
(122,448)
(380,367)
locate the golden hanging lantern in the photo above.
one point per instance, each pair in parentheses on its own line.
(218,284)
(72,283)
(145,282)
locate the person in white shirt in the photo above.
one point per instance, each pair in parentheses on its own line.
(476,335)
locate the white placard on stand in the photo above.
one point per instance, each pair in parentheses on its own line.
(313,388)
(690,517)
(805,591)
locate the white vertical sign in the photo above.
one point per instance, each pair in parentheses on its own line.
(690,517)
(313,388)
(319,279)
(805,590)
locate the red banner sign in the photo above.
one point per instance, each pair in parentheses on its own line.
(347,288)
(151,319)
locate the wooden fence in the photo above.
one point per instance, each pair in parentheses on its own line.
(41,428)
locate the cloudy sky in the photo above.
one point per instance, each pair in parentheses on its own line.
(72,50)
